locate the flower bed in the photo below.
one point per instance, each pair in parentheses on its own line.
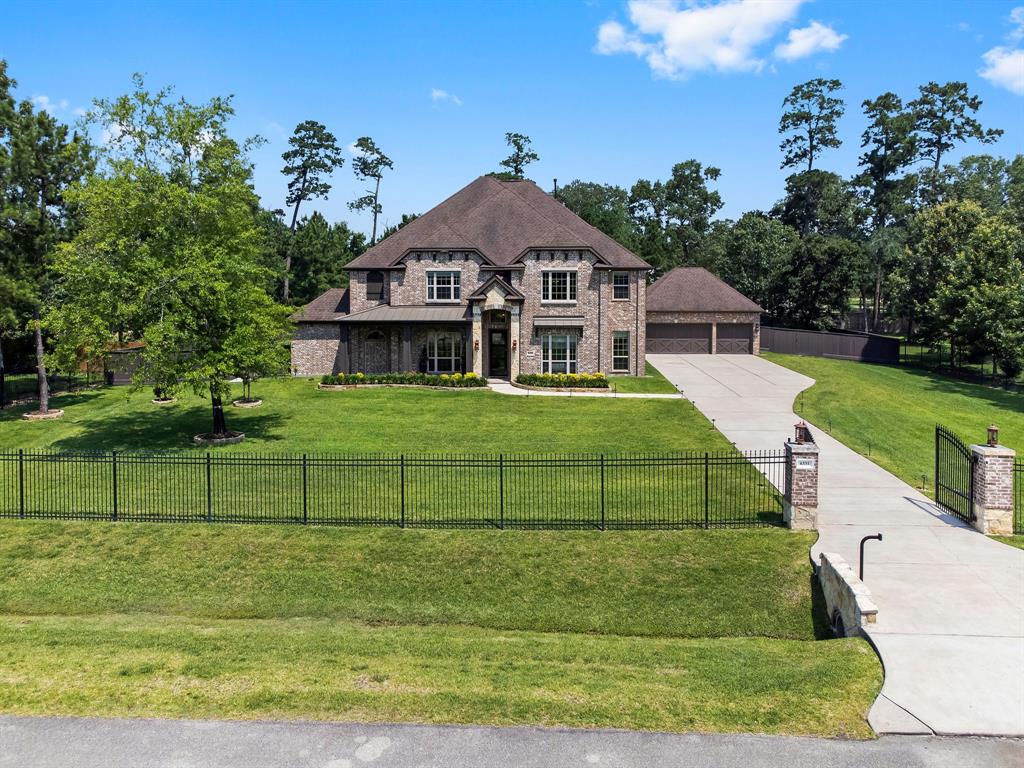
(563,380)
(443,380)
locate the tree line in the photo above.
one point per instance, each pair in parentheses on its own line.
(937,245)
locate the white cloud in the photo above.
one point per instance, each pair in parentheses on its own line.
(809,40)
(437,95)
(79,111)
(43,104)
(723,36)
(1004,66)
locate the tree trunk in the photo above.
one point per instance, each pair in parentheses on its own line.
(220,426)
(44,386)
(876,310)
(291,240)
(3,384)
(376,197)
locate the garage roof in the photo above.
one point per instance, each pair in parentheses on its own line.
(694,289)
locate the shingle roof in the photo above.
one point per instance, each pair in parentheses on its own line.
(694,289)
(454,313)
(501,220)
(325,308)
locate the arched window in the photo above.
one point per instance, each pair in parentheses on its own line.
(375,336)
(375,285)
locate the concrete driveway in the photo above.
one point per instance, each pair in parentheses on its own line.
(950,628)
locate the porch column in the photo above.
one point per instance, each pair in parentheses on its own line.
(513,366)
(406,347)
(714,338)
(468,352)
(342,364)
(474,349)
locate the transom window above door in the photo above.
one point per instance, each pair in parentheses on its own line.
(558,286)
(444,285)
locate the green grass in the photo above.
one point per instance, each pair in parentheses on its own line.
(710,631)
(1013,541)
(297,418)
(652,382)
(889,413)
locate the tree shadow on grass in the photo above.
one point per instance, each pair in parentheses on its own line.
(169,428)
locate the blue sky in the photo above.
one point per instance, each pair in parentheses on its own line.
(609,91)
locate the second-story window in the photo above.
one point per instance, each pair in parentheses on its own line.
(558,285)
(443,285)
(375,285)
(620,285)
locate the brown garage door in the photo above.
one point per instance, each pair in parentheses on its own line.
(734,339)
(679,338)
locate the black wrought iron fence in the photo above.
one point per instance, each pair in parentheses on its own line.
(954,475)
(610,491)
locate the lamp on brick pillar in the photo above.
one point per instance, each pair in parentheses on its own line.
(800,506)
(993,486)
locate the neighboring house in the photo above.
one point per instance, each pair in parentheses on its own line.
(499,279)
(690,311)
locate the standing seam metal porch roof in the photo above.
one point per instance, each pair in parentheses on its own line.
(454,313)
(502,221)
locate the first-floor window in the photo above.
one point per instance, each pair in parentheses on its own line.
(620,350)
(444,352)
(559,353)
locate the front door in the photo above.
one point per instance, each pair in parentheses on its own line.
(497,356)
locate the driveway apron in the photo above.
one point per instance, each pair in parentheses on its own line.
(950,628)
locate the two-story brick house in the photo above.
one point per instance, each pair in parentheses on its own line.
(499,279)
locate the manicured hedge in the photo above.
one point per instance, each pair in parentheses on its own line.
(421,379)
(564,380)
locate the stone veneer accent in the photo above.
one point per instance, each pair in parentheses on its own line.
(715,318)
(993,489)
(800,510)
(315,348)
(845,594)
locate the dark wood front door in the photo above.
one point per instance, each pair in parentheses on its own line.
(497,355)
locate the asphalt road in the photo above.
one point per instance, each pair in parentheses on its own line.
(33,742)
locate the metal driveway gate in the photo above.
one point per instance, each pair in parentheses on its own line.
(954,475)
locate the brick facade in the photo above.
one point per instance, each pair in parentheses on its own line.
(315,348)
(800,510)
(993,489)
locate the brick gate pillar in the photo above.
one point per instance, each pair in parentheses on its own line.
(800,510)
(993,486)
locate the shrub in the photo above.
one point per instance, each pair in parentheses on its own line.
(564,380)
(458,380)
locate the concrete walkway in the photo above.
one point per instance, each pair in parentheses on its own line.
(950,628)
(44,742)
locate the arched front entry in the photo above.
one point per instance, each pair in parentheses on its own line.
(497,343)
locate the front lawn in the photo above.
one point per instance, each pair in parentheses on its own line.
(652,382)
(711,631)
(889,413)
(297,418)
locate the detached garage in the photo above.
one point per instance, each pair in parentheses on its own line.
(692,312)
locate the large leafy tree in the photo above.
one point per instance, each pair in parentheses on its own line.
(817,282)
(313,157)
(985,179)
(522,155)
(39,159)
(603,206)
(369,164)
(819,202)
(170,249)
(886,188)
(756,259)
(809,122)
(673,218)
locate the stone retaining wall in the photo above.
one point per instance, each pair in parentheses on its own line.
(845,595)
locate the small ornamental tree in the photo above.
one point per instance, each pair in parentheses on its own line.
(170,249)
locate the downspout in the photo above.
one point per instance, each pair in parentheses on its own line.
(636,330)
(600,291)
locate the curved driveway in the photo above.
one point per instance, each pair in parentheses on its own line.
(950,628)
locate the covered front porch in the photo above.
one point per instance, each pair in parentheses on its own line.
(388,339)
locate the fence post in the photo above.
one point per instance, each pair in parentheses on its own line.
(800,510)
(113,463)
(501,491)
(602,491)
(209,491)
(401,524)
(305,509)
(21,482)
(936,462)
(992,470)
(707,510)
